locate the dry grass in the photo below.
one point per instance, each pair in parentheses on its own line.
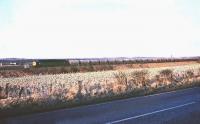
(48,91)
(86,68)
(153,65)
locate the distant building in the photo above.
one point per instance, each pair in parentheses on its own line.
(13,63)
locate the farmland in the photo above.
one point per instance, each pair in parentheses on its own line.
(86,68)
(43,92)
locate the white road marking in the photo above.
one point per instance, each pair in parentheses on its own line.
(150,113)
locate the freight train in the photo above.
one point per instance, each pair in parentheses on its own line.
(110,61)
(50,63)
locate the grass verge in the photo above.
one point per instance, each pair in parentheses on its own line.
(34,107)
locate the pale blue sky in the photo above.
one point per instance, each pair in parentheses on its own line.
(99,28)
(5,12)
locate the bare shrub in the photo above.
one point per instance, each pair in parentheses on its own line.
(178,78)
(157,77)
(7,89)
(2,95)
(87,90)
(156,81)
(166,73)
(21,91)
(109,89)
(141,77)
(190,74)
(166,77)
(122,79)
(95,90)
(79,94)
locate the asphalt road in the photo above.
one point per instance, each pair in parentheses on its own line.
(179,107)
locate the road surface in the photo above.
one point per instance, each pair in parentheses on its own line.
(177,107)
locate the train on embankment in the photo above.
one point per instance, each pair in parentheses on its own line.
(29,63)
(105,61)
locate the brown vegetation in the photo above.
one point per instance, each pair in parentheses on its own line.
(85,68)
(52,96)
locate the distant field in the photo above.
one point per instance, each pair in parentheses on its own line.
(92,77)
(87,68)
(154,65)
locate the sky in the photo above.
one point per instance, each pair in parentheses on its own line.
(99,28)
